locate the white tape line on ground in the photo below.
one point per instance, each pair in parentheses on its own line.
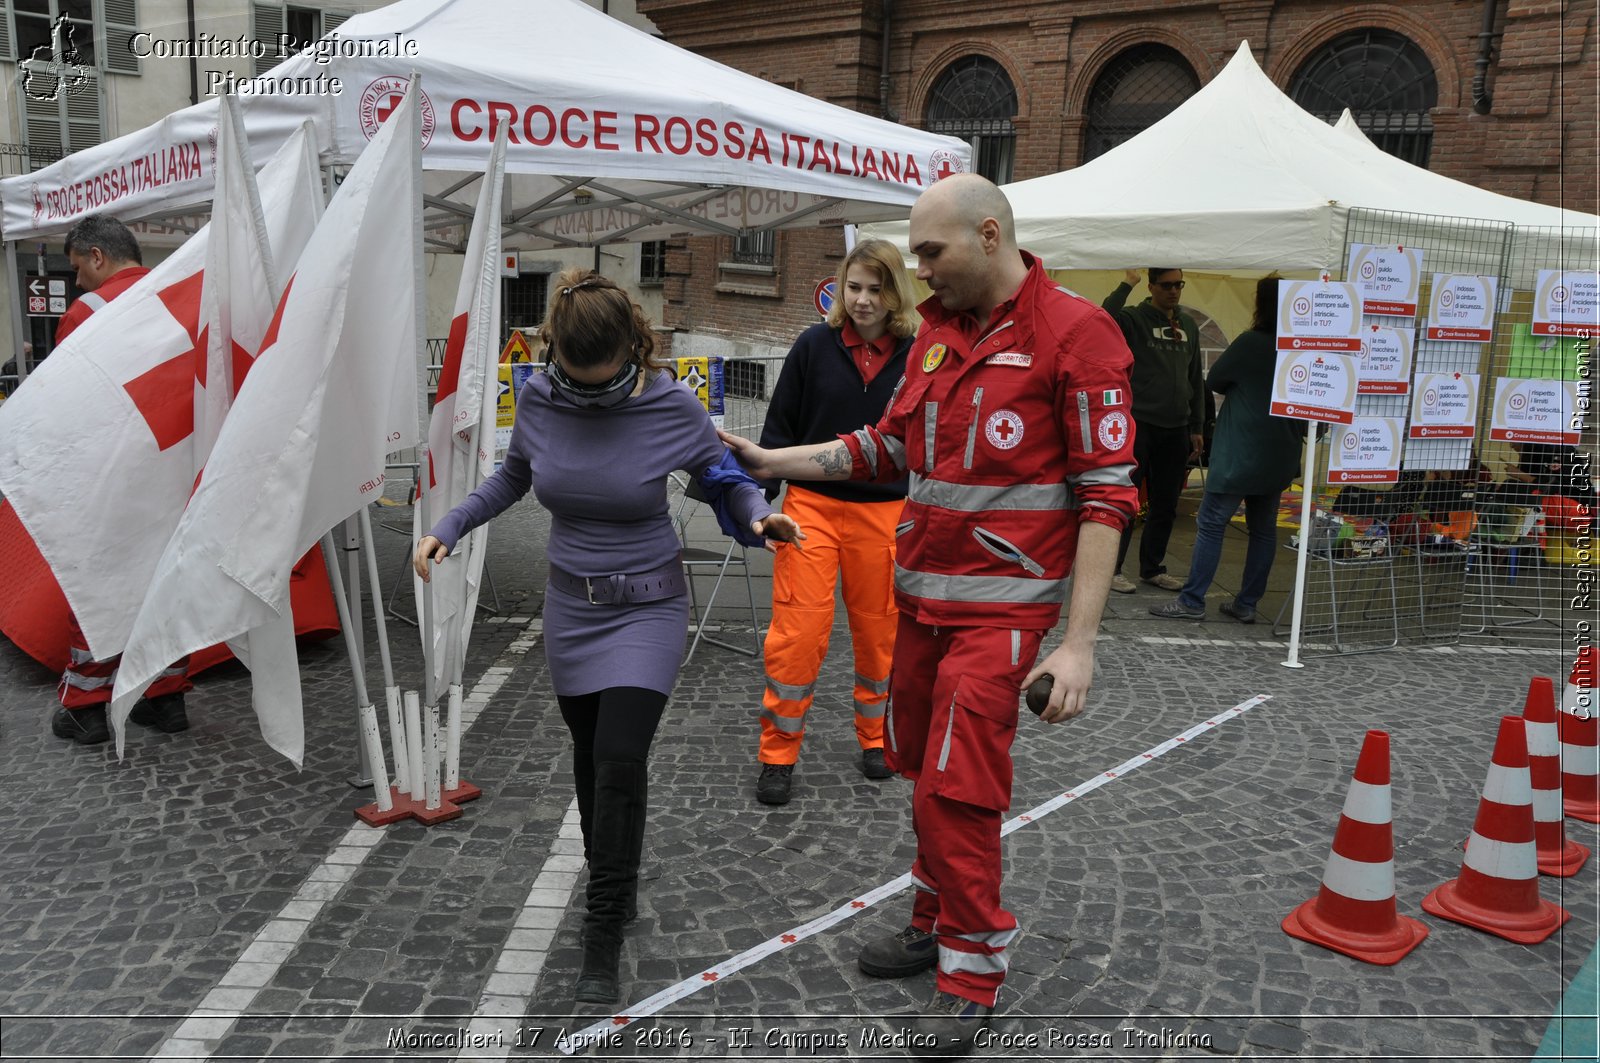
(689,986)
(198,1036)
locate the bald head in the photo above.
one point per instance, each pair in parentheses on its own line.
(965,240)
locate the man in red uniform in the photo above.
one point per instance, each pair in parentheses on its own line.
(109,262)
(1014,427)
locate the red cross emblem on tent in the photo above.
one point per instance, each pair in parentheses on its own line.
(942,163)
(1003,429)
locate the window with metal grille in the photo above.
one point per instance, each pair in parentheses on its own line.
(1137,89)
(756,249)
(284,30)
(975,100)
(744,379)
(653,262)
(523,301)
(1385,80)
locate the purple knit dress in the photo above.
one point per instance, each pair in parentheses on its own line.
(602,475)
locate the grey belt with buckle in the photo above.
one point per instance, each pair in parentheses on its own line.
(621,588)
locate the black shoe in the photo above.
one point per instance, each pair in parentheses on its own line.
(900,955)
(1176,610)
(86,727)
(949,1028)
(1234,609)
(873,765)
(164,713)
(772,788)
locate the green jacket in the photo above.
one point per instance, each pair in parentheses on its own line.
(1253,453)
(1167,369)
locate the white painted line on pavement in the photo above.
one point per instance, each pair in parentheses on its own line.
(517,968)
(198,1036)
(591,1034)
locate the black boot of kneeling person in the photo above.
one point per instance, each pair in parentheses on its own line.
(619,809)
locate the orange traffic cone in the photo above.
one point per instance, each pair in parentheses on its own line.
(1558,855)
(1498,888)
(1354,912)
(1579,725)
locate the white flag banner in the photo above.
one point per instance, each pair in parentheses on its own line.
(99,449)
(331,392)
(462,427)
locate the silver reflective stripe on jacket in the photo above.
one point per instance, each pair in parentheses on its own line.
(972,429)
(944,587)
(930,419)
(976,498)
(1105,476)
(869,450)
(895,449)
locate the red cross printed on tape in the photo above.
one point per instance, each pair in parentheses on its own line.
(1026,819)
(1111,775)
(1070,794)
(1180,739)
(788,939)
(620,1020)
(709,976)
(1147,756)
(858,904)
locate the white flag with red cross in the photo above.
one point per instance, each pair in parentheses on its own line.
(99,449)
(330,393)
(461,429)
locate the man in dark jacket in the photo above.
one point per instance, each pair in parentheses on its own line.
(1168,413)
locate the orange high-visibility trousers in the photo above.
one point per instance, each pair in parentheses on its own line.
(851,543)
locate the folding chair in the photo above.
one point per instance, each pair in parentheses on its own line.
(700,559)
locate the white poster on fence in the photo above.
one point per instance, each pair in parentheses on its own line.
(1566,302)
(1462,307)
(1444,406)
(1315,386)
(1388,278)
(1535,411)
(1385,360)
(1366,451)
(1318,316)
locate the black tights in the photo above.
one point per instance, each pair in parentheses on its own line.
(611,726)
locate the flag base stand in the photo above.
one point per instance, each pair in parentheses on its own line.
(406,807)
(463,793)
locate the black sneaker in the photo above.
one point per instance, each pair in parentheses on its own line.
(1234,609)
(873,765)
(772,788)
(84,726)
(950,1026)
(900,955)
(165,713)
(1176,610)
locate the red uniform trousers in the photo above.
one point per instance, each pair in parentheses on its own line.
(87,682)
(851,543)
(952,717)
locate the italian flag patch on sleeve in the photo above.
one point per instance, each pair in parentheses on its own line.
(1111,397)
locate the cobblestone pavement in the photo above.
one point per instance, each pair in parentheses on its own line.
(202,898)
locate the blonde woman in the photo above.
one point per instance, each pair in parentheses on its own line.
(596,435)
(839,375)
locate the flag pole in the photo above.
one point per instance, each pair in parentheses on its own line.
(370,739)
(391,692)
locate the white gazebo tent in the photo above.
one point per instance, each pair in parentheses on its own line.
(615,135)
(1238,177)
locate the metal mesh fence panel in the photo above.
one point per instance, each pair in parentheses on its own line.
(1469,545)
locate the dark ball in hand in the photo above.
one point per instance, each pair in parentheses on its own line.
(1038,696)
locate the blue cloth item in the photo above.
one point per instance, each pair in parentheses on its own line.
(1261,518)
(714,483)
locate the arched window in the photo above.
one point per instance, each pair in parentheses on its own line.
(975,100)
(1384,79)
(1136,90)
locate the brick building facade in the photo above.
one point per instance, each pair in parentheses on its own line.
(1518,118)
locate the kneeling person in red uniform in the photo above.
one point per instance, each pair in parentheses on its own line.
(109,262)
(1013,425)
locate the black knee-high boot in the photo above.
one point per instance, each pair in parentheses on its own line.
(619,810)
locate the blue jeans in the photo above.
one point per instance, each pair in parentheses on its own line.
(1261,520)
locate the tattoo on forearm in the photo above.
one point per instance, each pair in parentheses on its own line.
(835,461)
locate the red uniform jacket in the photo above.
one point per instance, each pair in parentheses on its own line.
(1011,439)
(89,302)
